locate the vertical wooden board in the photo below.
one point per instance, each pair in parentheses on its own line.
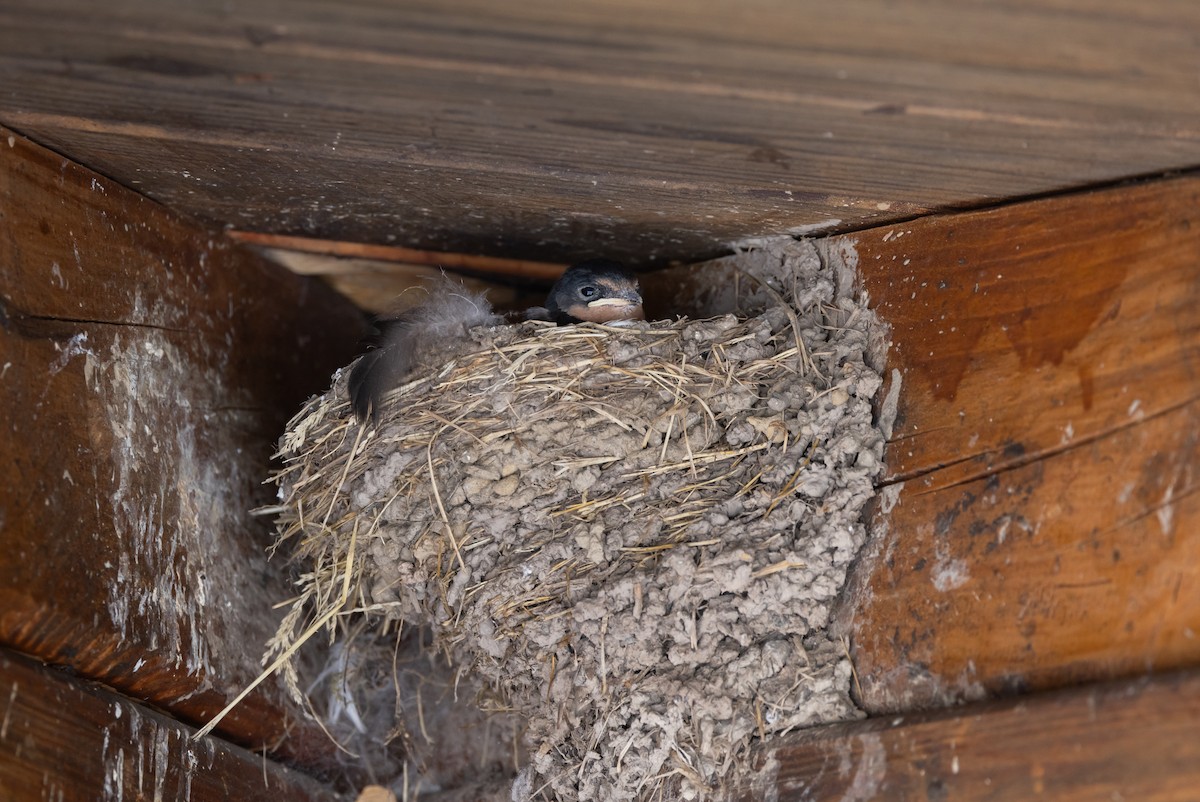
(1022,329)
(63,740)
(148,367)
(1075,567)
(1123,741)
(1041,523)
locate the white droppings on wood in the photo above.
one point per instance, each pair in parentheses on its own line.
(766,781)
(871,769)
(162,762)
(114,770)
(889,496)
(950,574)
(150,415)
(12,702)
(1166,512)
(891,404)
(76,346)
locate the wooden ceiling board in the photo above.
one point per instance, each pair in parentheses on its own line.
(649,131)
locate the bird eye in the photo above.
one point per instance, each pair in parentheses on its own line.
(588,292)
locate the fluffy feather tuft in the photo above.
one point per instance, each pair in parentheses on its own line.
(448,311)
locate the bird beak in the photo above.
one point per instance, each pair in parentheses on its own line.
(623,298)
(614,302)
(625,306)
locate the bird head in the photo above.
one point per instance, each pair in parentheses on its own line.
(595,291)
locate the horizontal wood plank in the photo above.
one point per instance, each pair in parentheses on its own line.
(1123,741)
(1040,526)
(387,287)
(67,740)
(647,131)
(149,366)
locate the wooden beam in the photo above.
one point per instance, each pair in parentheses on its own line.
(69,740)
(386,287)
(148,367)
(651,131)
(403,258)
(1129,740)
(1040,524)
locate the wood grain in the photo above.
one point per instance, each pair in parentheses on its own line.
(67,740)
(1130,740)
(149,366)
(403,258)
(648,131)
(386,287)
(1041,525)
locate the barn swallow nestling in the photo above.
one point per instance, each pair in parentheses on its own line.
(595,291)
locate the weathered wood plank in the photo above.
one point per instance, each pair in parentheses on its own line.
(1042,526)
(386,287)
(1130,740)
(148,367)
(558,130)
(66,740)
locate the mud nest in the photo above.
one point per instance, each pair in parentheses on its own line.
(633,537)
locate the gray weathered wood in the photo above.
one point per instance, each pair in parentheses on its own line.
(650,131)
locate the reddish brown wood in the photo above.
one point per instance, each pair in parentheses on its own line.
(405,257)
(148,367)
(1130,740)
(66,740)
(649,130)
(1045,459)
